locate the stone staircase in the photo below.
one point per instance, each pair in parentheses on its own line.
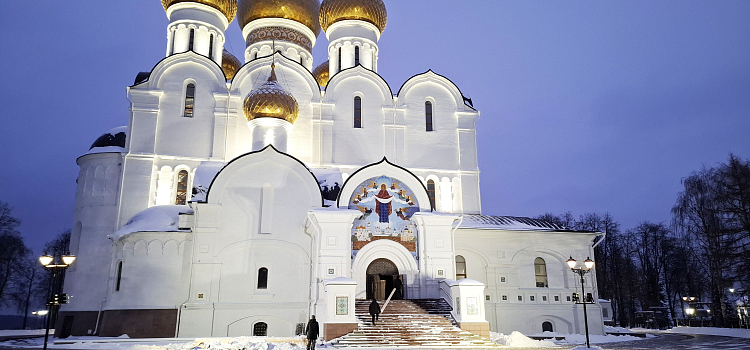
(414,323)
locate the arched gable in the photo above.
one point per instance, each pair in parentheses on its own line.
(268,155)
(357,71)
(188,57)
(432,77)
(283,63)
(386,168)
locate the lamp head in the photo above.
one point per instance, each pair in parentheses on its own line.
(589,263)
(571,263)
(46,259)
(731,290)
(68,259)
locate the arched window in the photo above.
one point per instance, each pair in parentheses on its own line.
(255,55)
(460,267)
(300,59)
(182,182)
(192,38)
(189,100)
(547,326)
(260,329)
(211,46)
(262,278)
(431,192)
(356,55)
(339,61)
(428,115)
(119,276)
(357,112)
(540,270)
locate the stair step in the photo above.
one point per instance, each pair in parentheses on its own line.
(422,322)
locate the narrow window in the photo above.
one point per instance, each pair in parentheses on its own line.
(300,59)
(192,37)
(460,267)
(339,62)
(119,276)
(356,55)
(262,278)
(255,55)
(540,270)
(357,112)
(182,180)
(431,192)
(428,115)
(189,100)
(211,47)
(547,326)
(260,329)
(171,48)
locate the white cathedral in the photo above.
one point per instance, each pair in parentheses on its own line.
(241,199)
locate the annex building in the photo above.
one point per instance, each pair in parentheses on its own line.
(245,195)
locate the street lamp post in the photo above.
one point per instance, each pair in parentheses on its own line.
(56,267)
(588,264)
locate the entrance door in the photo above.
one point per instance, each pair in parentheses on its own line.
(381,279)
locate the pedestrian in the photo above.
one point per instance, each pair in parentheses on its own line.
(374,310)
(312,331)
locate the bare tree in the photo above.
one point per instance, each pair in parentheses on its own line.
(13,252)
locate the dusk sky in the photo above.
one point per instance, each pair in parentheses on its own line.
(586,106)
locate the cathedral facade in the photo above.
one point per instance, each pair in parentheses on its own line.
(242,198)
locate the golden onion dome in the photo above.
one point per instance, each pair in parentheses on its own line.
(229,64)
(302,11)
(270,100)
(373,11)
(321,73)
(227,7)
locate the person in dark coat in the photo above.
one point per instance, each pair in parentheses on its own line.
(311,331)
(398,285)
(374,310)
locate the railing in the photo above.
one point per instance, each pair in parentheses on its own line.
(445,291)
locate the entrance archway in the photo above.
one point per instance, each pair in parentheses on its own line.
(382,278)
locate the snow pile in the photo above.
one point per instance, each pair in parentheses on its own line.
(518,340)
(239,343)
(727,332)
(583,347)
(160,218)
(204,175)
(613,329)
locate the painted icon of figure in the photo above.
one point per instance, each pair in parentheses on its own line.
(383,205)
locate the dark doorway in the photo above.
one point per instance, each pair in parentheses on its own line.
(547,326)
(67,326)
(382,278)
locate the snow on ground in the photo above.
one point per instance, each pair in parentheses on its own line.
(593,338)
(727,332)
(612,329)
(124,343)
(518,340)
(7,332)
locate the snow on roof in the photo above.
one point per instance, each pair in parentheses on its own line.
(330,182)
(340,280)
(466,282)
(513,223)
(204,175)
(160,218)
(112,141)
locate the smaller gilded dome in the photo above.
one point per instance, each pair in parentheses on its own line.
(302,11)
(229,64)
(373,11)
(227,7)
(321,73)
(270,100)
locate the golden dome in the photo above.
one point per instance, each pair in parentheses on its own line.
(227,7)
(373,11)
(270,100)
(302,11)
(229,64)
(321,73)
